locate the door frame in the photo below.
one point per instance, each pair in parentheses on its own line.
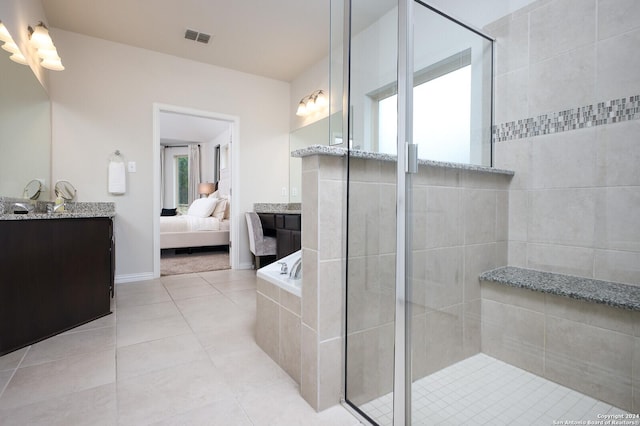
(234,121)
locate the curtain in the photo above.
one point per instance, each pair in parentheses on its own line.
(194,171)
(162,177)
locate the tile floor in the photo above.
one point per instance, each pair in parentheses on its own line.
(179,350)
(485,391)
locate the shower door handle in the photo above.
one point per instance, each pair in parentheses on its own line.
(411,165)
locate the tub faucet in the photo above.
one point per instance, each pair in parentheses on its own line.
(296,270)
(283,268)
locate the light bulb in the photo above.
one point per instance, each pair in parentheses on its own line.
(48,54)
(321,99)
(52,64)
(40,38)
(11,47)
(19,58)
(311,105)
(302,109)
(4,34)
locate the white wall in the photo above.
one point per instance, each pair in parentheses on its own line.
(103,101)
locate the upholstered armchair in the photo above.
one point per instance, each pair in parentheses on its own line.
(258,243)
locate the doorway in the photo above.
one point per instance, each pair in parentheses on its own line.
(180,130)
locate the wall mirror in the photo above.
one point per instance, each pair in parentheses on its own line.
(316,133)
(25,130)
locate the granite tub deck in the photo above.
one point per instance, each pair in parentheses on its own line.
(581,333)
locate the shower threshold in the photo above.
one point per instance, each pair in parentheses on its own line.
(483,390)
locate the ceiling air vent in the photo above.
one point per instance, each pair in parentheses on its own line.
(197,36)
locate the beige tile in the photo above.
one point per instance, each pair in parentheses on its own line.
(561,26)
(309,366)
(189,289)
(517,297)
(263,372)
(243,299)
(561,259)
(363,294)
(362,366)
(562,82)
(589,313)
(514,335)
(142,295)
(310,209)
(291,302)
(227,276)
(516,156)
(517,254)
(443,217)
(518,215)
(331,368)
(614,80)
(268,289)
(511,96)
(333,168)
(146,357)
(330,211)
(225,287)
(95,406)
(564,160)
(477,259)
(617,228)
(268,326)
(472,328)
(144,331)
(66,345)
(362,170)
(309,300)
(512,44)
(618,266)
(106,321)
(364,224)
(419,367)
(617,17)
(290,338)
(58,378)
(443,277)
(618,157)
(149,312)
(563,216)
(331,295)
(222,343)
(5,376)
(636,376)
(170,392)
(444,337)
(224,412)
(11,360)
(589,359)
(211,312)
(479,207)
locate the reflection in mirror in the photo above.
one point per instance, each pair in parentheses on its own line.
(25,129)
(316,133)
(65,190)
(32,190)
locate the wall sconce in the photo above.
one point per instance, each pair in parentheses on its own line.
(311,103)
(41,41)
(10,46)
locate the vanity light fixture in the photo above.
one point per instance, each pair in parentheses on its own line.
(41,41)
(311,103)
(11,46)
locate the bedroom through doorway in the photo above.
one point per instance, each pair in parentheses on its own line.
(194,185)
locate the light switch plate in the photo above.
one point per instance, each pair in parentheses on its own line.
(132,166)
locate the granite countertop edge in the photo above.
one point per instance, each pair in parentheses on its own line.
(342,152)
(53,216)
(618,295)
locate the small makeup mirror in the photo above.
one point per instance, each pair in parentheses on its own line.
(32,190)
(65,190)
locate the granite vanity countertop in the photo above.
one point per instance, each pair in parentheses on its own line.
(285,208)
(341,152)
(72,211)
(624,296)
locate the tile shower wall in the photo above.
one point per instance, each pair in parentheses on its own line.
(567,122)
(460,230)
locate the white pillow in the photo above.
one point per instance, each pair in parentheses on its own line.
(220,208)
(202,207)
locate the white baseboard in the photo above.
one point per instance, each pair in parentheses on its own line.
(245,266)
(129,278)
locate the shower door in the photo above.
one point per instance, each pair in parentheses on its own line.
(419,86)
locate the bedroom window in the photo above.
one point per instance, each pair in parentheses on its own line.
(182,180)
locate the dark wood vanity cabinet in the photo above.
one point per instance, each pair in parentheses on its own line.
(287,228)
(55,274)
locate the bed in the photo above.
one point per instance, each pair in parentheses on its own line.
(206,223)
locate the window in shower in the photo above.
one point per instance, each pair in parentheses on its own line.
(442,112)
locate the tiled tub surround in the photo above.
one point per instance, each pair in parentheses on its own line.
(574,199)
(460,214)
(543,323)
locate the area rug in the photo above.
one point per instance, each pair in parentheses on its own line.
(174,264)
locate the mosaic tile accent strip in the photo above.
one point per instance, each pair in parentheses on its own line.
(613,111)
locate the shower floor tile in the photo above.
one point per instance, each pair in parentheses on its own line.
(483,390)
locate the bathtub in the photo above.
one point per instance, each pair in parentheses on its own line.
(271,273)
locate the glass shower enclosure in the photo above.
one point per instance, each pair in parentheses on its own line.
(417,97)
